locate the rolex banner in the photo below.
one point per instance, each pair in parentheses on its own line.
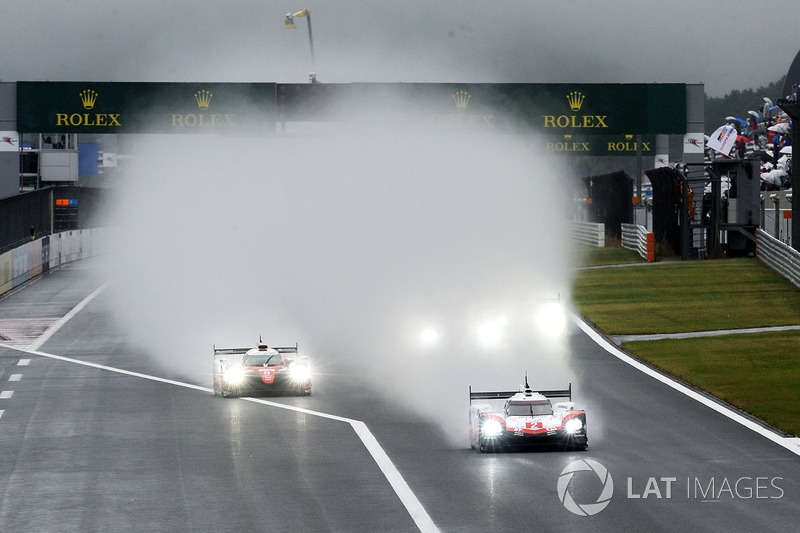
(119,107)
(556,110)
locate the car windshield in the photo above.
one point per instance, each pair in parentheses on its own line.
(529,408)
(259,359)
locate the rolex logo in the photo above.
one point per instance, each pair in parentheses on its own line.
(88,98)
(575,99)
(628,137)
(461,99)
(203,98)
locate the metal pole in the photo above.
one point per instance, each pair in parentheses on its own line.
(311,43)
(776,200)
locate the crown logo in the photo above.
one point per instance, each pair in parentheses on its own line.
(461,99)
(628,137)
(575,99)
(567,137)
(88,98)
(203,99)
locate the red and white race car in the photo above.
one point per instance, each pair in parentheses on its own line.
(526,418)
(264,369)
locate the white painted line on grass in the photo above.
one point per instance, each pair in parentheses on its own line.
(24,362)
(6,394)
(14,377)
(787,443)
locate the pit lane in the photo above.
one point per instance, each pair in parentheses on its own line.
(93,449)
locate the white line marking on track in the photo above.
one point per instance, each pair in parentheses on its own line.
(6,394)
(1,413)
(66,318)
(401,488)
(423,521)
(24,362)
(718,407)
(14,377)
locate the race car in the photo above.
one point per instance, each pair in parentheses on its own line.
(526,418)
(263,369)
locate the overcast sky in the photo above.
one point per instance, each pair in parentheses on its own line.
(725,44)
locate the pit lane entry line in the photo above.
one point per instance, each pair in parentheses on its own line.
(786,442)
(393,476)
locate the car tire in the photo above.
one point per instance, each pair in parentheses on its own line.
(482,445)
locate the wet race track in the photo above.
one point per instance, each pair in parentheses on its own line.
(94,436)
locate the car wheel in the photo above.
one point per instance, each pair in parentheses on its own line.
(483,446)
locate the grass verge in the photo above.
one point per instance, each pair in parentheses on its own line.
(686,296)
(758,373)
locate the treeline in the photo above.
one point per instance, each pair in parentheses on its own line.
(738,103)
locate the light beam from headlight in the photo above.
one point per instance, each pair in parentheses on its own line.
(573,425)
(492,428)
(552,319)
(491,333)
(429,337)
(300,373)
(234,375)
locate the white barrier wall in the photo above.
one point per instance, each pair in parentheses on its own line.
(29,260)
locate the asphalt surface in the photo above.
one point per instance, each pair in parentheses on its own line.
(91,448)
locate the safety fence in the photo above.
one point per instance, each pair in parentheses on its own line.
(589,233)
(38,256)
(779,256)
(637,238)
(36,214)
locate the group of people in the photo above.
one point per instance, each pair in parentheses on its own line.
(766,135)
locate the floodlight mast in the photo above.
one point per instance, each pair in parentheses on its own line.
(289,23)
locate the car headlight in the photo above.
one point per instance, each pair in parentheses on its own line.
(573,425)
(429,337)
(492,428)
(300,373)
(491,333)
(234,375)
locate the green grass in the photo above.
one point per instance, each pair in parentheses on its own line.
(610,255)
(758,373)
(686,296)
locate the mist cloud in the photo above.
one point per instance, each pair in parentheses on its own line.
(350,245)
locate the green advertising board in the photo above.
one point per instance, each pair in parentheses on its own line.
(120,107)
(598,145)
(553,110)
(576,119)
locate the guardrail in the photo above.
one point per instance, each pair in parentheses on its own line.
(589,233)
(637,238)
(779,256)
(40,255)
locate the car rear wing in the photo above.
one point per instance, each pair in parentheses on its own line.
(242,351)
(502,395)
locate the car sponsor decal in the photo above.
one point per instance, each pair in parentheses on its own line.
(267,375)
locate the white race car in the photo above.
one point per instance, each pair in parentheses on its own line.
(526,418)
